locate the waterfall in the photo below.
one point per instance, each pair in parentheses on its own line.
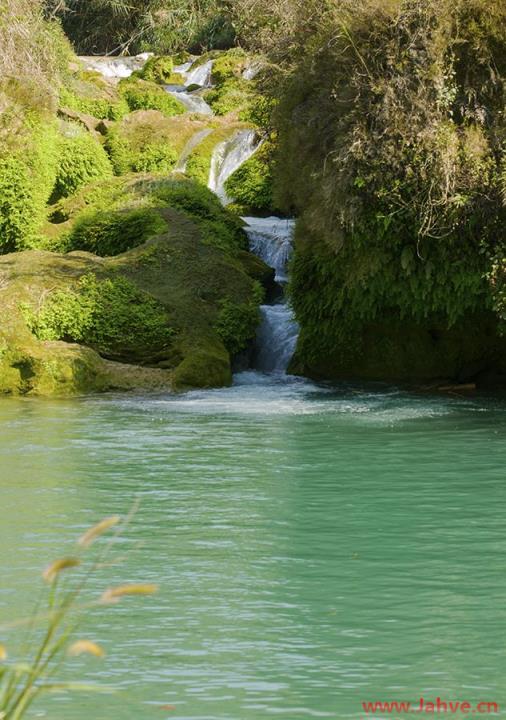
(271,239)
(276,338)
(228,156)
(115,67)
(190,147)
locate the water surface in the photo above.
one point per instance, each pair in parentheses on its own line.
(315,547)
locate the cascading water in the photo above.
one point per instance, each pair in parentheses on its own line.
(271,240)
(228,156)
(115,67)
(192,101)
(200,75)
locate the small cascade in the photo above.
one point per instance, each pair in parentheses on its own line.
(192,101)
(200,75)
(115,67)
(276,338)
(228,156)
(271,240)
(190,147)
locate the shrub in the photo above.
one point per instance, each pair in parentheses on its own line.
(27,177)
(234,95)
(145,95)
(112,316)
(81,160)
(111,233)
(228,65)
(158,69)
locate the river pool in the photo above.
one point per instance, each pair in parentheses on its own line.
(315,546)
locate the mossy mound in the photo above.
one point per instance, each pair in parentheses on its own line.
(88,92)
(158,69)
(352,329)
(167,305)
(81,159)
(28,165)
(145,95)
(148,141)
(117,214)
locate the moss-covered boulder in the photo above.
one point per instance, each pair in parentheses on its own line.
(81,159)
(146,95)
(90,93)
(148,141)
(166,314)
(28,164)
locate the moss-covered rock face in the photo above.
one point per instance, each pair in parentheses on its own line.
(115,215)
(145,95)
(396,176)
(28,166)
(357,321)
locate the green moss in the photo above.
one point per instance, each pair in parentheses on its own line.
(112,233)
(27,177)
(234,95)
(251,184)
(142,143)
(112,316)
(158,69)
(82,159)
(228,65)
(219,227)
(145,95)
(207,365)
(237,323)
(90,98)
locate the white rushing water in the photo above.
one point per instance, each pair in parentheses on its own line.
(228,156)
(271,239)
(192,101)
(115,67)
(276,338)
(196,75)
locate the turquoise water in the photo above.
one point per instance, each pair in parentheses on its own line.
(315,547)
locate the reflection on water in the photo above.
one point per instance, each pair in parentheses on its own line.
(315,546)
